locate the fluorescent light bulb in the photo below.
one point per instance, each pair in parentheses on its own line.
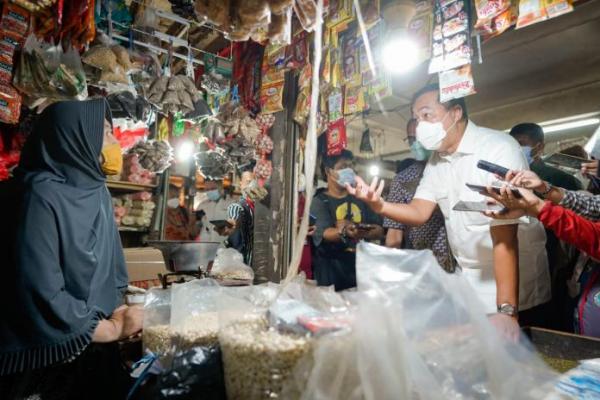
(400,55)
(571,125)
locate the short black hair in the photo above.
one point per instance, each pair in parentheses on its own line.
(435,87)
(529,129)
(330,161)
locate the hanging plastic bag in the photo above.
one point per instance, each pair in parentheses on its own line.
(280,28)
(229,266)
(306,11)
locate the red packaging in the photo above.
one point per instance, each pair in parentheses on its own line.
(336,138)
(10,104)
(15,19)
(8,44)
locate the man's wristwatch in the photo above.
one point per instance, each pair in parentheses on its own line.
(507,309)
(548,189)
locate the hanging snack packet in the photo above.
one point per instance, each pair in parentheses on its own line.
(8,44)
(15,19)
(456,83)
(335,105)
(489,9)
(354,100)
(531,12)
(271,97)
(420,30)
(555,8)
(10,104)
(336,138)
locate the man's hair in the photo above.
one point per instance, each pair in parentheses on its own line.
(412,121)
(529,129)
(435,87)
(577,151)
(330,161)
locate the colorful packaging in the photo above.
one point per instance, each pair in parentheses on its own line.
(420,30)
(336,138)
(489,9)
(335,106)
(555,8)
(456,83)
(354,99)
(271,97)
(15,19)
(451,36)
(8,44)
(10,104)
(531,12)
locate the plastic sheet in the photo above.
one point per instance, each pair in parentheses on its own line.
(421,333)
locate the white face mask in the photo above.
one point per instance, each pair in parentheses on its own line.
(432,134)
(173,203)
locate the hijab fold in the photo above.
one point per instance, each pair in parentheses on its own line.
(65,264)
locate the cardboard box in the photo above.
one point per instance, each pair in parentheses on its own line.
(144,263)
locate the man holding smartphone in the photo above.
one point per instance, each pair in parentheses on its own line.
(340,222)
(505,262)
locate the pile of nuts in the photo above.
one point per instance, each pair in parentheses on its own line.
(258,360)
(197,330)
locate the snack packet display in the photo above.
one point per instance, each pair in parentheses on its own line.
(456,83)
(531,12)
(336,138)
(451,44)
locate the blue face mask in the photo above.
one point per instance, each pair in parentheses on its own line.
(527,152)
(346,175)
(419,152)
(213,195)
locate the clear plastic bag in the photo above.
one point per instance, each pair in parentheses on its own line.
(229,265)
(46,70)
(194,317)
(421,333)
(257,359)
(157,336)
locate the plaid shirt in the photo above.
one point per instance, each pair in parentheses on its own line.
(584,204)
(431,235)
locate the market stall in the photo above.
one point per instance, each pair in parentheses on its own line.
(221,103)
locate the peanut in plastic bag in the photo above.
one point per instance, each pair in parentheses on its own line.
(229,265)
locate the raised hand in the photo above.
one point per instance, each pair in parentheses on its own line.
(525,179)
(371,195)
(590,168)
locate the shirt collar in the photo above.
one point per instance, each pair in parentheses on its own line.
(468,143)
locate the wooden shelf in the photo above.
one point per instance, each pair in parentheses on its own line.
(129,187)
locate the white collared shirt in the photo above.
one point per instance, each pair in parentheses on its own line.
(444,182)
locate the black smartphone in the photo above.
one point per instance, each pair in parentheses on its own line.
(565,160)
(221,223)
(312,220)
(365,227)
(493,168)
(483,190)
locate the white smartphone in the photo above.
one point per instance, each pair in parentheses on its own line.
(476,206)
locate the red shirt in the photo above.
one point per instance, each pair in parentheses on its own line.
(572,228)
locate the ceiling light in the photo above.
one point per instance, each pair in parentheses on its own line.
(374,170)
(185,151)
(400,55)
(571,125)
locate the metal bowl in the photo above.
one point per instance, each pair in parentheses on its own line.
(186,255)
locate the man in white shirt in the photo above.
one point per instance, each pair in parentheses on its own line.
(505,263)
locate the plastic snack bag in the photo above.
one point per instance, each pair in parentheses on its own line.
(456,83)
(336,138)
(229,265)
(531,12)
(555,8)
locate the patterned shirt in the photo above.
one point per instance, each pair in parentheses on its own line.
(431,235)
(582,203)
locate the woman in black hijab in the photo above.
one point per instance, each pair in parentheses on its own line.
(63,267)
